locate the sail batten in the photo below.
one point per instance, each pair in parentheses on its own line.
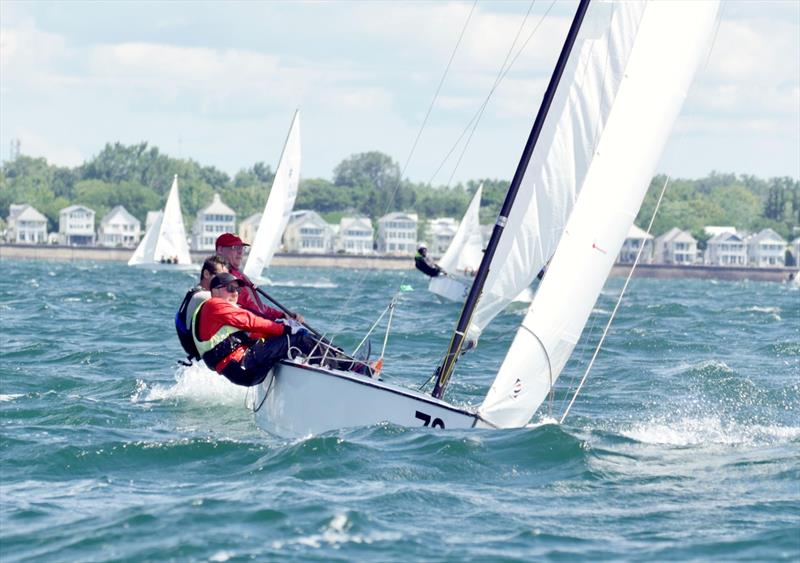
(654,81)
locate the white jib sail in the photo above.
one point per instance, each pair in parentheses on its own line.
(463,255)
(172,241)
(559,163)
(657,76)
(147,246)
(279,204)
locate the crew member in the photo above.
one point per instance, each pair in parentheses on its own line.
(424,263)
(231,248)
(238,344)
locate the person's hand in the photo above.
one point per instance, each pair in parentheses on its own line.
(298,317)
(292,327)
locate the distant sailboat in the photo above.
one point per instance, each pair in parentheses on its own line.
(164,244)
(279,205)
(581,180)
(463,257)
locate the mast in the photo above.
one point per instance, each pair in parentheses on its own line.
(444,371)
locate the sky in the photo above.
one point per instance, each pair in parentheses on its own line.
(218,82)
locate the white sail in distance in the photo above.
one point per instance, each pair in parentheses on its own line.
(170,235)
(655,74)
(279,204)
(463,255)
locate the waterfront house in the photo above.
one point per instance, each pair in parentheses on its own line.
(440,233)
(636,239)
(726,248)
(211,221)
(308,233)
(25,225)
(675,247)
(397,233)
(119,229)
(355,235)
(249,227)
(76,226)
(766,249)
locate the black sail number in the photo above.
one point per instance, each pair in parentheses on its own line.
(426,419)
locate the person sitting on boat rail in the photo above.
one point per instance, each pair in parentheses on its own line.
(231,248)
(195,297)
(425,264)
(238,344)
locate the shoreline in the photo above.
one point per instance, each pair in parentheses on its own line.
(662,271)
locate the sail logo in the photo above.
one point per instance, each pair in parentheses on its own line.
(517,389)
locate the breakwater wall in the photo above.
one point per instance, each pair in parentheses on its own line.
(100,254)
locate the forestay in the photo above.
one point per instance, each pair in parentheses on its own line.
(279,204)
(630,78)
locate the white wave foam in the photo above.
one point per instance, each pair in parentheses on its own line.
(708,431)
(194,383)
(682,367)
(336,533)
(313,285)
(10,397)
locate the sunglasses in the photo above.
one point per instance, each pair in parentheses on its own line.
(231,287)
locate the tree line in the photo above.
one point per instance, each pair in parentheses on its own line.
(138,177)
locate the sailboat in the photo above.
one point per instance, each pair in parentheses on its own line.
(463,257)
(616,90)
(164,245)
(279,205)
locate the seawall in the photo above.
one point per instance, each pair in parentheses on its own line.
(99,254)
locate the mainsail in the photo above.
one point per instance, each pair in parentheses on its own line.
(654,70)
(166,238)
(279,204)
(558,167)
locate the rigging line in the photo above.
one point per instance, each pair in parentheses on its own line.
(619,301)
(492,90)
(393,194)
(438,89)
(500,74)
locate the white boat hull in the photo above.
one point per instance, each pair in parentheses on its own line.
(299,400)
(454,289)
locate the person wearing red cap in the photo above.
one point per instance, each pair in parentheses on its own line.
(231,248)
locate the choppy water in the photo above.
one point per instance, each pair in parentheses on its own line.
(682,446)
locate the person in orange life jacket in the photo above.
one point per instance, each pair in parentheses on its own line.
(231,248)
(195,297)
(239,344)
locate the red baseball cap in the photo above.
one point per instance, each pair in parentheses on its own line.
(229,239)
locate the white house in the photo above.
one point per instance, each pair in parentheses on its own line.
(637,238)
(355,235)
(397,233)
(26,225)
(766,249)
(76,225)
(439,234)
(726,248)
(119,228)
(211,221)
(308,233)
(249,227)
(675,247)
